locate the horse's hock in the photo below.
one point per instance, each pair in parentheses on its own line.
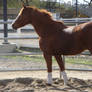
(7,48)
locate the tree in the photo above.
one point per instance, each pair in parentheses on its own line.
(89,3)
(50,5)
(1,3)
(35,3)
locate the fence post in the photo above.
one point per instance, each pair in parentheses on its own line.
(76,8)
(77,21)
(5,20)
(91,19)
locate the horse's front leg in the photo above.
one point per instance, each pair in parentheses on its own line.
(48,59)
(62,68)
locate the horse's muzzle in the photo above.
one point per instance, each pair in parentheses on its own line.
(14,27)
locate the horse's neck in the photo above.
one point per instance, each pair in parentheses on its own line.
(45,26)
(42,27)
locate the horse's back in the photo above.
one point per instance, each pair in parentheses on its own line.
(87,34)
(68,40)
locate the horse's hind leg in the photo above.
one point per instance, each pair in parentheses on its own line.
(48,59)
(62,68)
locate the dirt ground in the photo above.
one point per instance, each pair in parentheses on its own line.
(35,81)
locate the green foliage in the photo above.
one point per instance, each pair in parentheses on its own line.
(35,3)
(39,58)
(52,6)
(66,10)
(13,3)
(1,3)
(78,61)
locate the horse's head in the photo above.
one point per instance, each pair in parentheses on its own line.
(23,18)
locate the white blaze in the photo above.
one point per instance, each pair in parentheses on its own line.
(15,19)
(17,16)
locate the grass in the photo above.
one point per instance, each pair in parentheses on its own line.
(35,58)
(39,58)
(79,61)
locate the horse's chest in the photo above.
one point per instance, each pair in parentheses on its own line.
(45,45)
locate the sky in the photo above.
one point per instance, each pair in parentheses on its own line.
(81,1)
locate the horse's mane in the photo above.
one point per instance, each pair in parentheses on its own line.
(49,14)
(42,11)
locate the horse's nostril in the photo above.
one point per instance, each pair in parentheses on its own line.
(14,27)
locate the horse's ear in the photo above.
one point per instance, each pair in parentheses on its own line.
(24,6)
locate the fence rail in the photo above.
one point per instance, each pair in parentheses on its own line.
(72,21)
(5,69)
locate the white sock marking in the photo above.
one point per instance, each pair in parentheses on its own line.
(64,75)
(49,80)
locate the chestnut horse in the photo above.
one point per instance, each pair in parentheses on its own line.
(55,38)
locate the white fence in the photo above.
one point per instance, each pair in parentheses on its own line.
(76,20)
(66,21)
(70,22)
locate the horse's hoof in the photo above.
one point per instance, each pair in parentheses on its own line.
(66,84)
(48,84)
